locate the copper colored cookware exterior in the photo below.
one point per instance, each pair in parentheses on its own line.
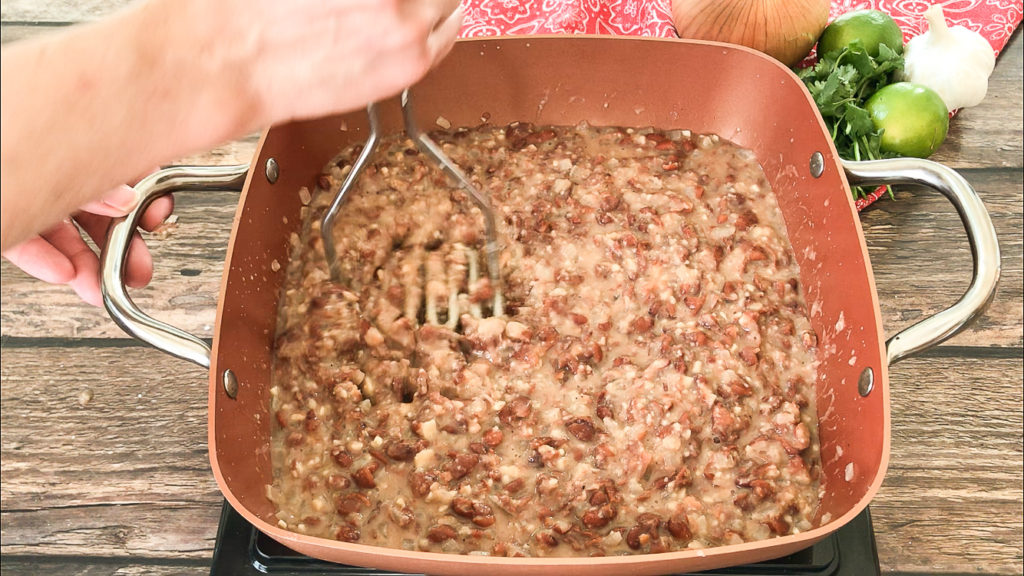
(709,88)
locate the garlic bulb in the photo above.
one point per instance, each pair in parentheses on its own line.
(784,29)
(955,62)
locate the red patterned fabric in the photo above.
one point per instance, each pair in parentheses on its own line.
(993,19)
(613,17)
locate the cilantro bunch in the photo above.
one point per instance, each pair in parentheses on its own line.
(840,83)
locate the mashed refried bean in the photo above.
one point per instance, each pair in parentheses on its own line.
(650,387)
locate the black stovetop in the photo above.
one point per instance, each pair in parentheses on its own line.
(242,550)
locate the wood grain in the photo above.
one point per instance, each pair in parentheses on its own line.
(186,281)
(127,473)
(918,250)
(951,501)
(913,280)
(922,262)
(12,32)
(122,485)
(58,10)
(79,566)
(235,152)
(989,135)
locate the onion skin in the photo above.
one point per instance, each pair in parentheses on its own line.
(784,29)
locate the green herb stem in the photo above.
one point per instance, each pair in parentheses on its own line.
(840,83)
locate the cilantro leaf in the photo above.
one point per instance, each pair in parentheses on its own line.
(858,120)
(840,84)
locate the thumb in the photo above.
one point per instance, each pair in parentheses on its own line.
(117,202)
(442,37)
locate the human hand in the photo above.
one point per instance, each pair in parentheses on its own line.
(166,78)
(310,58)
(60,255)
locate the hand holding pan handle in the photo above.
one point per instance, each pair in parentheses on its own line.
(929,332)
(116,300)
(980,234)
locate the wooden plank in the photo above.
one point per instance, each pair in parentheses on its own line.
(14,32)
(987,135)
(188,263)
(951,499)
(919,254)
(922,262)
(58,10)
(239,151)
(86,566)
(151,530)
(127,473)
(912,281)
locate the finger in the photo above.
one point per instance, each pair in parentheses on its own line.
(147,173)
(66,238)
(442,38)
(154,216)
(157,213)
(138,269)
(117,202)
(432,13)
(40,259)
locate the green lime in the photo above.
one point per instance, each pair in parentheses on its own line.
(913,119)
(871,27)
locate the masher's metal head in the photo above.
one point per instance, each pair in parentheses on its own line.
(461,260)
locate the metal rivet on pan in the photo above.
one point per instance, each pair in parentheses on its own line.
(817,164)
(230,384)
(273,171)
(866,382)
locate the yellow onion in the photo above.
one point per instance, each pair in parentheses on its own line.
(784,29)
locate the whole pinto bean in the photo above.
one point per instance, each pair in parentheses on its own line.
(461,465)
(352,502)
(515,409)
(599,516)
(582,428)
(420,482)
(347,534)
(679,528)
(480,514)
(644,532)
(401,451)
(517,135)
(462,506)
(440,532)
(342,457)
(364,476)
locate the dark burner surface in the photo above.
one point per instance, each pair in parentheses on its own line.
(242,550)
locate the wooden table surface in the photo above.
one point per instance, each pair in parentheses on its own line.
(104,456)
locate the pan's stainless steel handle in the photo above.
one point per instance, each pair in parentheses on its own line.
(118,303)
(980,234)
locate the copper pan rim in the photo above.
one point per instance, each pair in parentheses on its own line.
(690,560)
(393,558)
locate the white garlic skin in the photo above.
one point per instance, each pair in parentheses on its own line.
(955,62)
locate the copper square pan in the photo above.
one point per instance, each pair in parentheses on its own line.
(706,87)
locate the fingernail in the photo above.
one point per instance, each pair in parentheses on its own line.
(123,198)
